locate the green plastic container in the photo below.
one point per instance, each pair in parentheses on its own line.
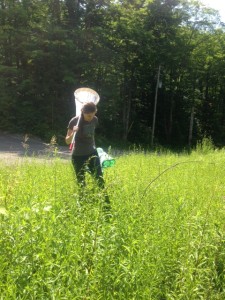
(105,159)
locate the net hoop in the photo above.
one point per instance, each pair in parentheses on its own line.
(85,95)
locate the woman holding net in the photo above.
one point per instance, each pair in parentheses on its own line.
(81,132)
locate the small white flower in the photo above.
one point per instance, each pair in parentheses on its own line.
(47,208)
(3,211)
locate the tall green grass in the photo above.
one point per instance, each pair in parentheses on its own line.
(165,239)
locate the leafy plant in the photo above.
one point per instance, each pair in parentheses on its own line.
(165,238)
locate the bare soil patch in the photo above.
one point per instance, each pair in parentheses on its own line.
(17,146)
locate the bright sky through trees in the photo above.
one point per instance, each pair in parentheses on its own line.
(218,5)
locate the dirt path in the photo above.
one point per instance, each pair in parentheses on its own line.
(16,146)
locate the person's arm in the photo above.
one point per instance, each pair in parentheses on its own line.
(69,135)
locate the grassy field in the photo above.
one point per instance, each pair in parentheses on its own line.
(165,239)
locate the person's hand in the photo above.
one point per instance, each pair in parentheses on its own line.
(70,134)
(75,128)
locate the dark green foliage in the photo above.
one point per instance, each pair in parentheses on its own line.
(50,48)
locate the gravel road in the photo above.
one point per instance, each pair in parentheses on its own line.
(17,146)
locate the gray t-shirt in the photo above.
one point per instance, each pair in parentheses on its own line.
(85,136)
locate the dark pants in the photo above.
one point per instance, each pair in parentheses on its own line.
(90,162)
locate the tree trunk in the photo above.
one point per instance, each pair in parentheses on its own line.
(191,126)
(126,115)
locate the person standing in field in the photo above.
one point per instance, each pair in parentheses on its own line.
(84,153)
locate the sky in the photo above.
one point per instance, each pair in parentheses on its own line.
(218,5)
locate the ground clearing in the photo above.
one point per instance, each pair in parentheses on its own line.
(14,147)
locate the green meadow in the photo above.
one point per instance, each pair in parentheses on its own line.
(164,238)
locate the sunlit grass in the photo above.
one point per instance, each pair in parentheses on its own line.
(165,239)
